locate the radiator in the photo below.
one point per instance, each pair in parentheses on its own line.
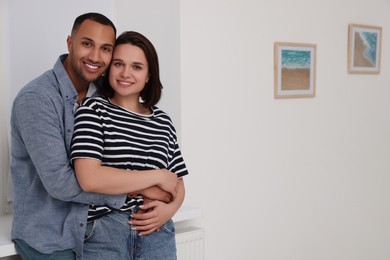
(190,243)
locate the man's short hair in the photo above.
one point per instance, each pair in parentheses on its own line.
(99,18)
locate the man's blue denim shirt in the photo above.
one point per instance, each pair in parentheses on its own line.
(49,208)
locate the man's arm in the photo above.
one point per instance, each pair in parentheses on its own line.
(37,124)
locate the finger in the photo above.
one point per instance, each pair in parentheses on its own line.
(148,205)
(136,219)
(146,228)
(174,194)
(167,198)
(143,222)
(144,215)
(147,232)
(144,219)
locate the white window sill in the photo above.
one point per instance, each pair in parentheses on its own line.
(7,247)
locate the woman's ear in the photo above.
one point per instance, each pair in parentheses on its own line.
(147,79)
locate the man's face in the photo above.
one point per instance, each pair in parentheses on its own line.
(90,51)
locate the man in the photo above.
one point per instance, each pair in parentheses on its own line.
(50,210)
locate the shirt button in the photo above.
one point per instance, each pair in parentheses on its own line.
(69,131)
(81,225)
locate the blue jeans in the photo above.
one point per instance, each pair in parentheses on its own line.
(111,237)
(27,252)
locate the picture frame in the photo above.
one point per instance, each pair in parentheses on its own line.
(294,70)
(364,49)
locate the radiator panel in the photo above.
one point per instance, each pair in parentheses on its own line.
(190,243)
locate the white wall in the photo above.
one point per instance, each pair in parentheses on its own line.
(296,179)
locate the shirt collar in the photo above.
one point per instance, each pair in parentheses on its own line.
(91,91)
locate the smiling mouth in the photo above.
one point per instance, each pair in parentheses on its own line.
(91,67)
(124,83)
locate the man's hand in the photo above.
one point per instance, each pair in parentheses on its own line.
(152,216)
(168,182)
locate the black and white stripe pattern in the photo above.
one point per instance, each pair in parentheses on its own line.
(126,140)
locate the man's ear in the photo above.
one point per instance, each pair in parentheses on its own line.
(69,43)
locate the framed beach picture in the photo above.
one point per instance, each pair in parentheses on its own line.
(294,70)
(364,49)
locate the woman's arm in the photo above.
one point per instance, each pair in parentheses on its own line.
(154,193)
(93,177)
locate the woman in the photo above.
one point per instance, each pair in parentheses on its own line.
(124,129)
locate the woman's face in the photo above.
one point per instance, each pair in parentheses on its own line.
(129,71)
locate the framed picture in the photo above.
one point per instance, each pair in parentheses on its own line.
(364,49)
(294,70)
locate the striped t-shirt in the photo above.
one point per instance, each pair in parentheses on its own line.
(126,140)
